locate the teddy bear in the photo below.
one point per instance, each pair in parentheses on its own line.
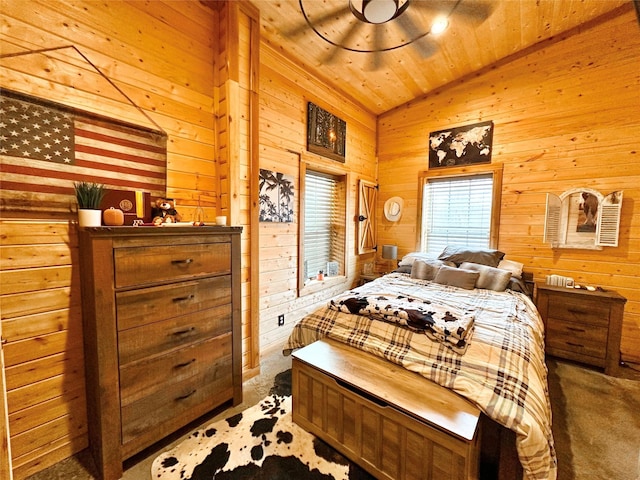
(165,212)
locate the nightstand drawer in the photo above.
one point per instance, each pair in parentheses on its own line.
(577,337)
(579,310)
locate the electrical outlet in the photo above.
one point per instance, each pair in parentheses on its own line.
(281,320)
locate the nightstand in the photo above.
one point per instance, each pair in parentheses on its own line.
(368,277)
(581,325)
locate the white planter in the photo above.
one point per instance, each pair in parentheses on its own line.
(89,218)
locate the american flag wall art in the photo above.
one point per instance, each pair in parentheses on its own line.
(45,147)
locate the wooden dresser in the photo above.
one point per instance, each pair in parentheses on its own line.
(162,329)
(581,325)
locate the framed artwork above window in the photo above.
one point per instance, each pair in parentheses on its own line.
(326,133)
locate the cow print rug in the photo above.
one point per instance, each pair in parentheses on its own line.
(260,443)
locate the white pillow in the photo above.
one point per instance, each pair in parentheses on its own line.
(409,258)
(514,267)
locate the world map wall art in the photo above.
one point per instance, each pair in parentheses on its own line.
(469,144)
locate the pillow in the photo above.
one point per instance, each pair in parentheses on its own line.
(518,285)
(457,277)
(425,270)
(514,267)
(409,258)
(490,278)
(483,256)
(403,269)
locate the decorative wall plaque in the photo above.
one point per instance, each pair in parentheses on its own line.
(326,133)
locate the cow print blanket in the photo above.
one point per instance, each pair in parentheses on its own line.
(260,443)
(445,323)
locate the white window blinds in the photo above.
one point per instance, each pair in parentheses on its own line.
(323,219)
(456,211)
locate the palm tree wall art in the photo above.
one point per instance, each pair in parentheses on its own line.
(276,197)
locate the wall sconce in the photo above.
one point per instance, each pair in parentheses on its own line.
(390,252)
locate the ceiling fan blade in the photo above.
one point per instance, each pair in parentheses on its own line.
(332,14)
(475,10)
(377,46)
(424,45)
(344,40)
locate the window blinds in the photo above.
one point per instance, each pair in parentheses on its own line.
(456,211)
(320,216)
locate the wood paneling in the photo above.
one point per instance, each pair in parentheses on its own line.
(162,59)
(42,327)
(471,42)
(565,117)
(285,90)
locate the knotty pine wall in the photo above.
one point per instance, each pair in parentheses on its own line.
(166,68)
(285,89)
(566,115)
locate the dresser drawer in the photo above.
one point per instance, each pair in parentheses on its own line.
(579,338)
(150,375)
(158,337)
(143,265)
(148,305)
(579,310)
(176,399)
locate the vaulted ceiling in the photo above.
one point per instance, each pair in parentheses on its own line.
(480,33)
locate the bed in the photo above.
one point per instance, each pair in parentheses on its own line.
(493,355)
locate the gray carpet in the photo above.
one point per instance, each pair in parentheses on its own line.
(596,423)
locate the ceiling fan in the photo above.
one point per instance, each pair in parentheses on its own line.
(378,26)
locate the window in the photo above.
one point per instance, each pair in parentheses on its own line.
(323,225)
(460,209)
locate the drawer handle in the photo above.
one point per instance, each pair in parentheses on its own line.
(186,261)
(182,299)
(184,397)
(576,311)
(574,329)
(185,364)
(183,332)
(575,344)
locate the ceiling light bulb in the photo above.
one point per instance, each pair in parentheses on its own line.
(439,26)
(379,11)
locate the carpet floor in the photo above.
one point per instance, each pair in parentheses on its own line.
(596,425)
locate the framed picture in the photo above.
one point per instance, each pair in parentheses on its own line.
(469,144)
(276,197)
(326,133)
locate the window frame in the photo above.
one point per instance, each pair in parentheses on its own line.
(495,170)
(314,286)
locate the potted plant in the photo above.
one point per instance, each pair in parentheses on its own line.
(89,196)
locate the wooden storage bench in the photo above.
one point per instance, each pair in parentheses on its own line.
(392,422)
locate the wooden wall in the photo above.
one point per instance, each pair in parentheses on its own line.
(285,89)
(165,68)
(565,116)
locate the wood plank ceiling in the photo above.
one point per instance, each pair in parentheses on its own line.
(480,34)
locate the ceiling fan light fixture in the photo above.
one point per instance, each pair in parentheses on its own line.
(379,11)
(439,25)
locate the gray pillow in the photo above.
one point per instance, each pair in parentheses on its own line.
(483,256)
(457,277)
(425,270)
(490,278)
